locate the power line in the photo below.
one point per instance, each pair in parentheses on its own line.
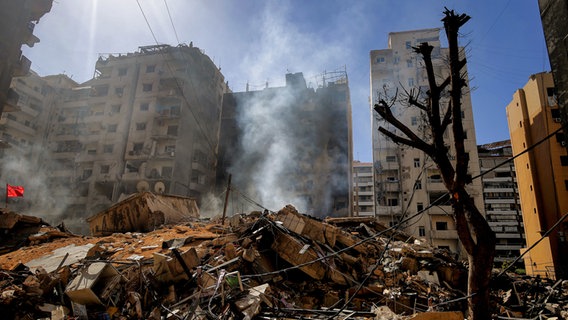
(172,21)
(178,85)
(520,154)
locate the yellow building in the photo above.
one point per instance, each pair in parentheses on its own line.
(542,174)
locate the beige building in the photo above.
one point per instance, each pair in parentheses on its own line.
(406,181)
(542,174)
(501,197)
(363,191)
(147,121)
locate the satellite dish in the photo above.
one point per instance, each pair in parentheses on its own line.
(159,187)
(142,186)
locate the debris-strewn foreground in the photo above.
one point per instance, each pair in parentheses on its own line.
(258,266)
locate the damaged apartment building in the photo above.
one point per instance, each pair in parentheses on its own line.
(146,121)
(406,181)
(290,144)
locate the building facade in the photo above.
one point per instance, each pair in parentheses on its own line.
(363,191)
(17,23)
(501,197)
(542,174)
(554,17)
(406,181)
(290,145)
(147,121)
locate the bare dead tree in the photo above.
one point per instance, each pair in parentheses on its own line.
(473,230)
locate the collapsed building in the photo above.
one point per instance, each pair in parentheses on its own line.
(290,144)
(261,265)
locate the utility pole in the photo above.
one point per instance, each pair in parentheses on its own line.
(226,200)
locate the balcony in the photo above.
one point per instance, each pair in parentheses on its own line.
(444,234)
(29,38)
(11,104)
(23,67)
(18,126)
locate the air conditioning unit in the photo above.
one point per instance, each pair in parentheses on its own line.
(557,119)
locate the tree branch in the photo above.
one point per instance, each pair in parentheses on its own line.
(385,112)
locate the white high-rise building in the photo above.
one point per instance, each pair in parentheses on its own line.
(406,180)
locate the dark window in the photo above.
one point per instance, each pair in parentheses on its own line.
(115,108)
(564,160)
(137,147)
(409,63)
(391,159)
(144,106)
(150,68)
(122,71)
(107,148)
(172,130)
(393,202)
(566,184)
(416,162)
(444,247)
(147,87)
(87,173)
(421,231)
(408,45)
(418,185)
(119,91)
(111,128)
(419,206)
(414,121)
(105,168)
(141,126)
(92,151)
(167,172)
(441,225)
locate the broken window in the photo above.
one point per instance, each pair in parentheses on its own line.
(111,128)
(391,158)
(408,45)
(86,173)
(150,68)
(141,126)
(115,108)
(409,63)
(105,168)
(122,71)
(552,98)
(119,91)
(144,106)
(421,231)
(107,148)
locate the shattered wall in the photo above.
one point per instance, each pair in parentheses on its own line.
(290,144)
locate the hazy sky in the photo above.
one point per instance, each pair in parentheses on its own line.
(260,41)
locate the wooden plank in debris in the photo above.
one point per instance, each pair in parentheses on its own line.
(288,248)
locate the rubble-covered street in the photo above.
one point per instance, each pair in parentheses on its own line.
(262,265)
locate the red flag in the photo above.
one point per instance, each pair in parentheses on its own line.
(14,191)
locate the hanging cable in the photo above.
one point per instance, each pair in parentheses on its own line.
(171,20)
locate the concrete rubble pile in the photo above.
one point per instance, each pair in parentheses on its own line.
(282,265)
